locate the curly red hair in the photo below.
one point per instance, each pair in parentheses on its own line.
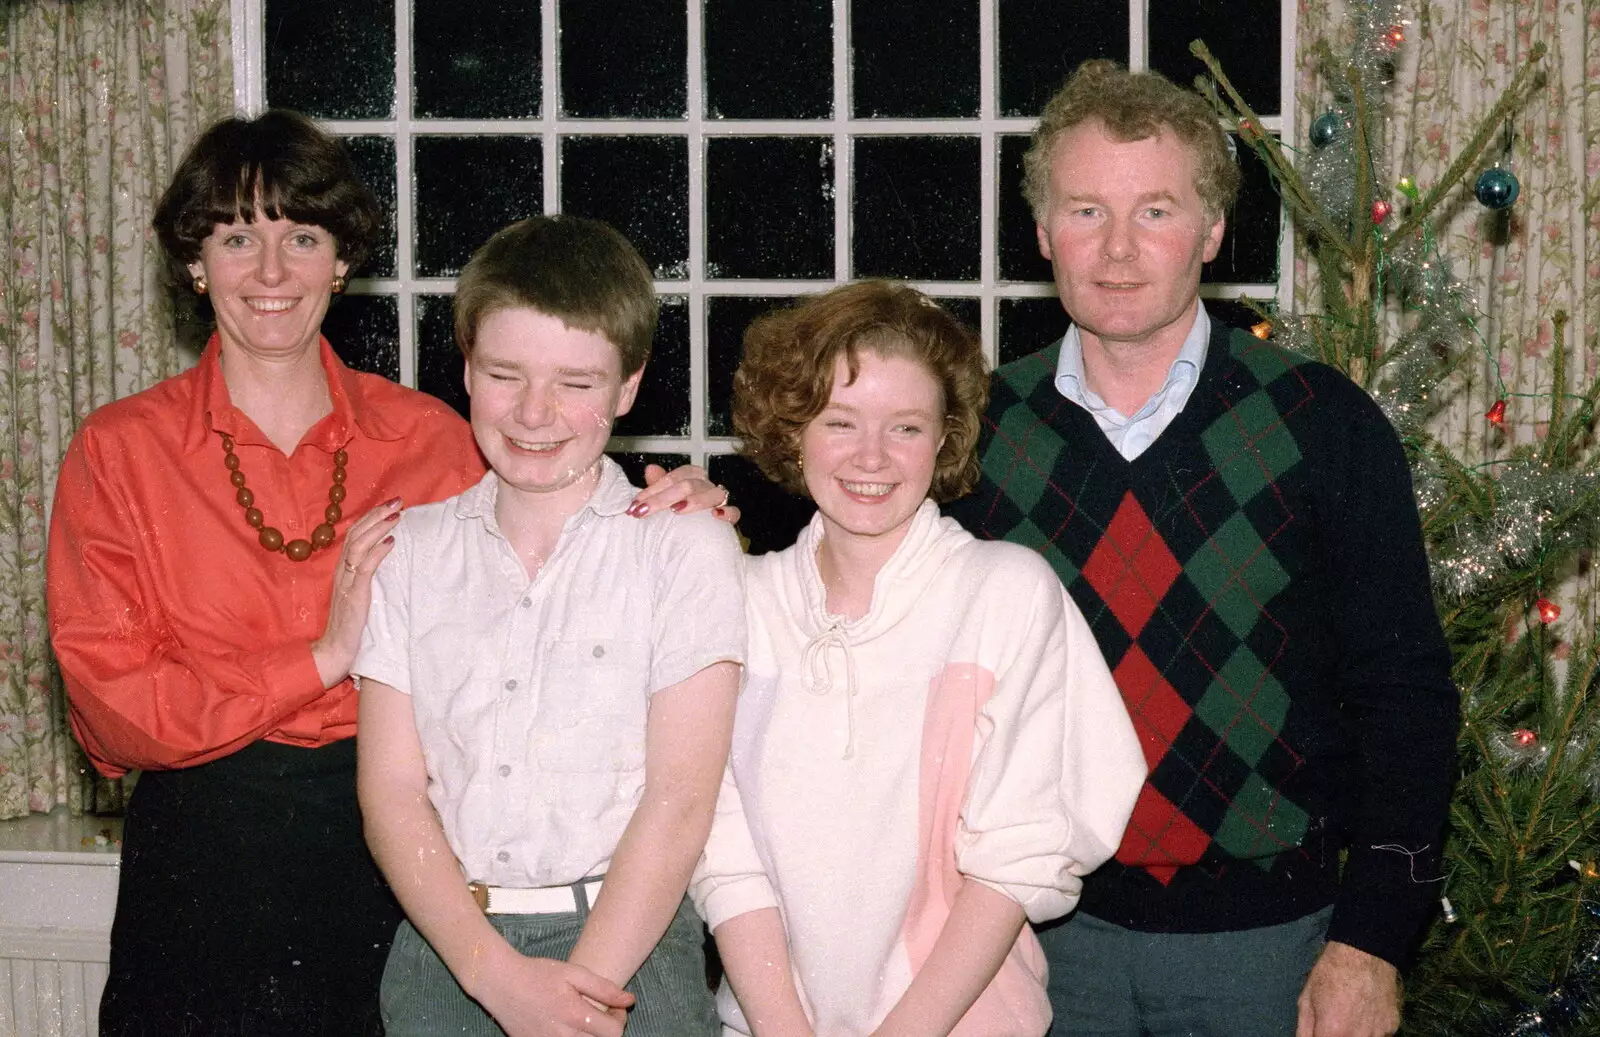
(786,375)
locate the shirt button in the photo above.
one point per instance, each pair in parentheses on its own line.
(599,651)
(511,685)
(527,603)
(502,856)
(505,770)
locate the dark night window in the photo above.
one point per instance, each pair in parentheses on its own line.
(769,207)
(917,203)
(468,188)
(752,150)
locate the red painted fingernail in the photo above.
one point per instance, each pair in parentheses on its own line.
(392,502)
(638,510)
(680,505)
(717,512)
(389,539)
(392,517)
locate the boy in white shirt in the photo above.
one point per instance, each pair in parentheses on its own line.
(548,684)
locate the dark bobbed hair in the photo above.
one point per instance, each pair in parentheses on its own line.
(573,268)
(279,165)
(1132,106)
(785,378)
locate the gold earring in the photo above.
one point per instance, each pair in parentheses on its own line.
(199,286)
(338,284)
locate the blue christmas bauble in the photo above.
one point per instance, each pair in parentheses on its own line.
(1497,188)
(1325,129)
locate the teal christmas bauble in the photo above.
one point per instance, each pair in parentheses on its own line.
(1497,188)
(1325,129)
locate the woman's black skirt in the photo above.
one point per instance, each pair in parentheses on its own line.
(248,904)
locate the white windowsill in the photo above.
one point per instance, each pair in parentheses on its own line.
(56,838)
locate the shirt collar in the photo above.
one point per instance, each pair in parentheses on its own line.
(1074,385)
(612,495)
(215,412)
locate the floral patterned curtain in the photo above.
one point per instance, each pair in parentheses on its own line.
(97,103)
(1539,257)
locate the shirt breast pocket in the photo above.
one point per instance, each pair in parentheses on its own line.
(594,700)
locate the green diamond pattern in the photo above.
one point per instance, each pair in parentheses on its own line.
(1250,446)
(1265,362)
(1245,705)
(1260,822)
(1031,448)
(1237,574)
(1060,563)
(1025,375)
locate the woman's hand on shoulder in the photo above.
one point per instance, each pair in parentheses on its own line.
(684,490)
(366,543)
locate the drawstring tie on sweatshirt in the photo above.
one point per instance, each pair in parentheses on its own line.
(817,677)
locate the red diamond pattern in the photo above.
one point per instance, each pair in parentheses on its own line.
(1131,567)
(1159,832)
(1157,711)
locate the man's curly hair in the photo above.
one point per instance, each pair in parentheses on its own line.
(1133,106)
(786,375)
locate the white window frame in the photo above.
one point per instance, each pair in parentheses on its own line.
(988,126)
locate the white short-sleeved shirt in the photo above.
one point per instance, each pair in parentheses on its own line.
(531,696)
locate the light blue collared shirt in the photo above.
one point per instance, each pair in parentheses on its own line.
(1131,436)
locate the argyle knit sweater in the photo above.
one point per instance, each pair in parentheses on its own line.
(1257,582)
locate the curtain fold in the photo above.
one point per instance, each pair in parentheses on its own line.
(1522,266)
(97,103)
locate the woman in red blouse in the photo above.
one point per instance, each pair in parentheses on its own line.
(210,560)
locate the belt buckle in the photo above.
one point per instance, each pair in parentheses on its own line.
(480,895)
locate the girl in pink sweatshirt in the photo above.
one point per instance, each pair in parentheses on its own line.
(929,751)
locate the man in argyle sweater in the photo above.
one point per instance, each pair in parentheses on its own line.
(1237,524)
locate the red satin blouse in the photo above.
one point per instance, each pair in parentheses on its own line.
(180,638)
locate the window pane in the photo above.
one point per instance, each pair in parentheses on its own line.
(439,363)
(771,517)
(633,463)
(964,309)
(478,60)
(662,406)
(365,331)
(1235,313)
(769,207)
(639,185)
(331,60)
(468,188)
(623,59)
(726,318)
(914,59)
(771,60)
(917,207)
(1249,252)
(1041,43)
(1029,325)
(1243,34)
(374,159)
(1019,245)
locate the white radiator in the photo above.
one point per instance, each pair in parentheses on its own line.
(58,891)
(50,982)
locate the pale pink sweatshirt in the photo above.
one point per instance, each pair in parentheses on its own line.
(965,726)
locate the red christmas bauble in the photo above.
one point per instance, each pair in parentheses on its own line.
(1549,611)
(1497,413)
(1523,737)
(1381,210)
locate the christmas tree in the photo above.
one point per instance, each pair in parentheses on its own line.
(1515,948)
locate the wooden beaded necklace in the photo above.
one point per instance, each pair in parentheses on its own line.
(272,538)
